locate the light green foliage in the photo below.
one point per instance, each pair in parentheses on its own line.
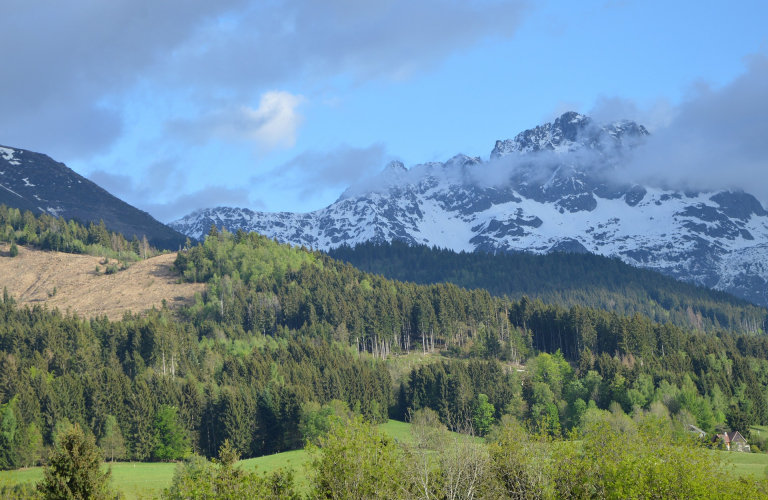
(643,460)
(316,420)
(112,441)
(172,442)
(245,256)
(20,491)
(74,471)
(483,415)
(520,461)
(552,370)
(198,479)
(356,461)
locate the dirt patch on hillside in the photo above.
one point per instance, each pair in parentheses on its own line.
(32,276)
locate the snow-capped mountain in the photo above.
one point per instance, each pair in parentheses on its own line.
(560,186)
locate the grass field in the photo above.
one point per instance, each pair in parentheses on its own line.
(746,464)
(137,480)
(146,480)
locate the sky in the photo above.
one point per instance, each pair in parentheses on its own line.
(176,105)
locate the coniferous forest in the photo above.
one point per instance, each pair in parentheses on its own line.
(563,278)
(285,341)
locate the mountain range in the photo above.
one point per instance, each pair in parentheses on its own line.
(35,182)
(561,186)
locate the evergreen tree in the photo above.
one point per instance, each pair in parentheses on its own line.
(74,471)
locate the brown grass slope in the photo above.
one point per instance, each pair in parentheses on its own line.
(32,276)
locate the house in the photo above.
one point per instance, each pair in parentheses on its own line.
(695,430)
(734,441)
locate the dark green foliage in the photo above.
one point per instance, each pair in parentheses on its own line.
(567,279)
(74,471)
(58,370)
(14,249)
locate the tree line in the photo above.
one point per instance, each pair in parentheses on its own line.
(153,388)
(46,232)
(566,279)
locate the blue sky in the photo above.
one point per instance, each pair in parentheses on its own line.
(279,105)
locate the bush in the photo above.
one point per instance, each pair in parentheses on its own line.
(21,491)
(111,269)
(75,470)
(14,249)
(200,479)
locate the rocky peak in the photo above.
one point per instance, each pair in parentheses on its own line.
(569,132)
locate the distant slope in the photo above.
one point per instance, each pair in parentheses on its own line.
(35,182)
(565,278)
(33,275)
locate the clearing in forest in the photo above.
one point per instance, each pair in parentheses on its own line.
(70,281)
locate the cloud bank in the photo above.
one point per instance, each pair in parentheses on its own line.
(69,67)
(164,181)
(716,139)
(313,172)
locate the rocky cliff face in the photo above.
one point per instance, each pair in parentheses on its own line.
(557,187)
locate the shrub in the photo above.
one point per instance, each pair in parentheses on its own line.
(14,249)
(74,470)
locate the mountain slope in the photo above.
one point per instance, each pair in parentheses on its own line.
(560,186)
(567,279)
(33,181)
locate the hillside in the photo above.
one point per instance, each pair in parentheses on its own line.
(32,276)
(568,279)
(35,182)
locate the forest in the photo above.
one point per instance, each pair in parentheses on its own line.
(567,279)
(286,341)
(45,232)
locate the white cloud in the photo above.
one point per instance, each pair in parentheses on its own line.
(715,140)
(274,124)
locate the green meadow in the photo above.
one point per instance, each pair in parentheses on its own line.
(146,479)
